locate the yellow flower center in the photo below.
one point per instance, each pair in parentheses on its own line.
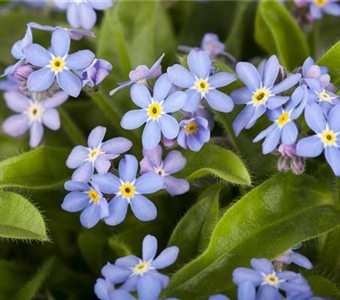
(141,268)
(93,154)
(191,128)
(260,97)
(325,97)
(272,280)
(202,86)
(93,195)
(57,64)
(283,119)
(320,3)
(127,190)
(155,110)
(329,138)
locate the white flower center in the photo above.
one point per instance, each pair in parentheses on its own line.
(93,154)
(35,112)
(271,279)
(159,170)
(142,268)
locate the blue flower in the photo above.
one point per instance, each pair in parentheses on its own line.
(200,85)
(291,256)
(129,190)
(219,297)
(319,7)
(283,128)
(57,64)
(86,197)
(96,72)
(260,92)
(141,74)
(97,155)
(82,12)
(154,112)
(75,34)
(32,115)
(173,163)
(269,282)
(194,133)
(105,290)
(307,295)
(326,137)
(142,274)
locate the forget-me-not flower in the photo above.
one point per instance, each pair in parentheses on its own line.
(291,256)
(199,84)
(283,127)
(319,7)
(141,74)
(96,72)
(326,137)
(129,190)
(142,274)
(105,290)
(260,92)
(269,282)
(32,115)
(173,163)
(97,155)
(194,133)
(155,111)
(81,13)
(57,64)
(86,197)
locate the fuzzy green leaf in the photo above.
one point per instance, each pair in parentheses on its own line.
(269,220)
(331,59)
(20,219)
(323,287)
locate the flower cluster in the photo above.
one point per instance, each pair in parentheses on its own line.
(43,79)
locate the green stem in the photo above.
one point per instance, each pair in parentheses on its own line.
(224,119)
(71,128)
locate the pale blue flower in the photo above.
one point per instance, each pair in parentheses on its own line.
(319,7)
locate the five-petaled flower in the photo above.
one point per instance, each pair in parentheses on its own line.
(155,111)
(326,137)
(87,197)
(319,7)
(200,84)
(97,155)
(57,64)
(260,92)
(32,115)
(173,163)
(129,190)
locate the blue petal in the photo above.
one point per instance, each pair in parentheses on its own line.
(267,292)
(60,42)
(194,143)
(240,275)
(116,145)
(134,119)
(175,102)
(220,297)
(117,211)
(315,118)
(271,141)
(242,95)
(131,284)
(167,257)
(259,111)
(121,295)
(88,16)
(301,261)
(101,5)
(143,208)
(90,216)
(333,119)
(309,147)
(180,76)
(107,183)
(286,84)
(15,125)
(80,60)
(221,79)
(271,71)
(116,274)
(193,99)
(174,162)
(128,168)
(262,265)
(140,95)
(168,126)
(149,248)
(162,88)
(246,291)
(249,75)
(16,101)
(289,134)
(75,201)
(73,186)
(276,101)
(199,63)
(314,84)
(151,135)
(332,9)
(83,173)
(101,289)
(243,119)
(176,186)
(265,133)
(40,80)
(148,288)
(128,261)
(69,83)
(333,158)
(306,65)
(76,158)
(37,55)
(149,183)
(219,101)
(36,134)
(96,136)
(73,16)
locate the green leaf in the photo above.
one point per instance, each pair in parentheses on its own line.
(216,161)
(20,219)
(269,220)
(277,32)
(331,59)
(193,231)
(30,289)
(323,287)
(41,168)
